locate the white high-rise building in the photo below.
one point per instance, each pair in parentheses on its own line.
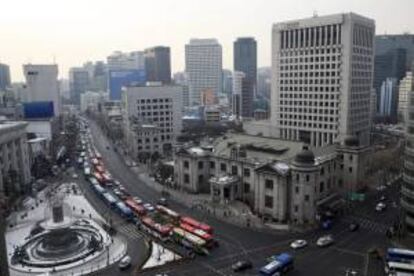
(42,84)
(203,65)
(406,86)
(152,117)
(236,98)
(126,61)
(322,74)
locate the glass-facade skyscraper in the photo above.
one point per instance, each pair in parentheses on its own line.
(245,60)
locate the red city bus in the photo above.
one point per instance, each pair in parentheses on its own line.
(199,233)
(172,214)
(99,177)
(155,229)
(138,209)
(98,155)
(107,178)
(100,169)
(194,223)
(95,161)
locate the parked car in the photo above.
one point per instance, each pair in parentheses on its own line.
(74,176)
(298,244)
(125,263)
(242,265)
(325,241)
(353,227)
(380,207)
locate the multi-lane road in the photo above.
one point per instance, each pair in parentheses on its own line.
(348,252)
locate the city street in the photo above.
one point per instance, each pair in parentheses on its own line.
(348,252)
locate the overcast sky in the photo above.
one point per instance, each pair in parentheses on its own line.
(75,31)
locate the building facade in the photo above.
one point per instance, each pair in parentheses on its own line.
(245,60)
(322,71)
(42,84)
(280,180)
(158,64)
(91,100)
(157,106)
(14,162)
(388,101)
(78,83)
(407,187)
(203,65)
(406,86)
(5,80)
(126,61)
(240,87)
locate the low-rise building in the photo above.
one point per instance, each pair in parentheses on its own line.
(280,180)
(14,158)
(91,100)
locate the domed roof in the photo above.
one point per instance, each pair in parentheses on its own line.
(351,141)
(305,157)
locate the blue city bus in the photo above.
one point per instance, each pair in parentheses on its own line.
(280,264)
(124,210)
(99,190)
(93,181)
(110,199)
(400,255)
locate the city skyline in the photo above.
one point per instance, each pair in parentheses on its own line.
(82,31)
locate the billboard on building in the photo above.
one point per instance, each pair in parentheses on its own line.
(119,78)
(38,110)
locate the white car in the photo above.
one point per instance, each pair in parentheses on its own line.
(149,207)
(137,200)
(325,241)
(298,244)
(74,176)
(381,188)
(125,263)
(380,207)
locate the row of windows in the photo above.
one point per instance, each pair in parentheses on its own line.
(156,107)
(310,74)
(159,100)
(296,52)
(310,66)
(310,37)
(309,59)
(333,103)
(316,96)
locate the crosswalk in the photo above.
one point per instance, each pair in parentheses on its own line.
(131,231)
(368,224)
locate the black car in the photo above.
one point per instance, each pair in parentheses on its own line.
(353,227)
(242,265)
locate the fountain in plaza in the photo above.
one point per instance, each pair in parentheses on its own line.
(60,239)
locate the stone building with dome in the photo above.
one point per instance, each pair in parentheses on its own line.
(281,180)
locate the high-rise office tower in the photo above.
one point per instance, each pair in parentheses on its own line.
(79,79)
(407,187)
(406,86)
(126,61)
(245,60)
(42,84)
(203,65)
(158,64)
(322,78)
(391,64)
(239,86)
(4,76)
(388,100)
